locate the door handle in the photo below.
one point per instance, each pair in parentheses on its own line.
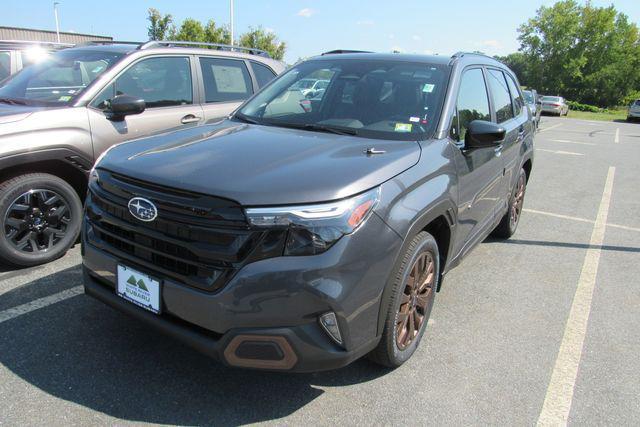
(190,118)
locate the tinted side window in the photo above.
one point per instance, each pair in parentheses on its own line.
(225,80)
(263,74)
(501,98)
(518,102)
(161,82)
(5,65)
(473,101)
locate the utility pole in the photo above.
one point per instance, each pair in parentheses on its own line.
(231,19)
(55,13)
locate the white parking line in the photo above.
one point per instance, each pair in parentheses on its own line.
(575,218)
(39,303)
(550,127)
(568,153)
(617,137)
(566,141)
(557,402)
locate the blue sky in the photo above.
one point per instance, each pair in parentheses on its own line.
(310,27)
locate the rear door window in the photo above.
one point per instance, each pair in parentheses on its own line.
(225,80)
(501,97)
(263,74)
(518,102)
(5,64)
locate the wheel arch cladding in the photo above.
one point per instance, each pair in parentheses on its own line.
(527,165)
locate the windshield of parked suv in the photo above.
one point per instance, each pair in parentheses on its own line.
(551,98)
(58,79)
(371,98)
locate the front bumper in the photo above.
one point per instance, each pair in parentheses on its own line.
(634,113)
(276,300)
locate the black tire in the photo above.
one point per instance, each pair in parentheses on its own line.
(40,218)
(390,352)
(509,224)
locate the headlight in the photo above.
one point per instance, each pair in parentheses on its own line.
(315,228)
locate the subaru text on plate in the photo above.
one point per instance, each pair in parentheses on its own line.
(303,233)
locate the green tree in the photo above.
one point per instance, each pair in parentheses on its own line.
(215,34)
(159,25)
(585,53)
(191,30)
(261,39)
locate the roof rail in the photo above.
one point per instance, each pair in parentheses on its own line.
(341,51)
(34,42)
(218,46)
(462,53)
(92,42)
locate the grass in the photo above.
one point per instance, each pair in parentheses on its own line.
(608,116)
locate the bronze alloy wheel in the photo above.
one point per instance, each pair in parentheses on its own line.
(517,202)
(415,299)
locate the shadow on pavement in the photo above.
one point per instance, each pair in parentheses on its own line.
(84,352)
(564,245)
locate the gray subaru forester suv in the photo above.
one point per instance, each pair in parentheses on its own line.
(58,115)
(308,230)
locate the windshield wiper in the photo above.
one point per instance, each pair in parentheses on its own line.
(246,119)
(319,128)
(12,101)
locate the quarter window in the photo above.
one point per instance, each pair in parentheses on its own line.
(518,102)
(263,74)
(501,97)
(161,82)
(225,80)
(472,103)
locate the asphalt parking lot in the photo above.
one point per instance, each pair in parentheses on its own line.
(532,330)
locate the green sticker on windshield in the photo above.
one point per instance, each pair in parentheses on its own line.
(403,127)
(428,88)
(64,98)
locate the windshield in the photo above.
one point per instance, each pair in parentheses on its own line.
(528,96)
(551,98)
(59,78)
(370,98)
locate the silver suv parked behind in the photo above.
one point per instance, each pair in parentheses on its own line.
(59,115)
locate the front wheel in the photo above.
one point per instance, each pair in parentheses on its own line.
(40,218)
(509,222)
(412,299)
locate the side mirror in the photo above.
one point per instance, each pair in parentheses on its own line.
(124,105)
(482,134)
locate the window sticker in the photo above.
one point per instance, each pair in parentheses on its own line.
(414,119)
(229,79)
(64,98)
(403,127)
(428,87)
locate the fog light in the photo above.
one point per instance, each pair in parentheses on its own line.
(330,324)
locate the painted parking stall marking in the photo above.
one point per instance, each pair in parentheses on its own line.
(39,303)
(557,402)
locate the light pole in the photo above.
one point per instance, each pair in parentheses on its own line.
(55,13)
(231,19)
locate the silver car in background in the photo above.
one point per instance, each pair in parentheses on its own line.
(556,105)
(17,54)
(633,113)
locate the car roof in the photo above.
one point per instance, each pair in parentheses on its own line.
(397,57)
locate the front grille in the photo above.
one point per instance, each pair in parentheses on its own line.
(198,240)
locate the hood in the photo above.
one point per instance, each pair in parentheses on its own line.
(14,113)
(262,165)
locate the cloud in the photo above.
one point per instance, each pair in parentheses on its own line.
(428,52)
(392,36)
(366,22)
(306,12)
(416,37)
(490,43)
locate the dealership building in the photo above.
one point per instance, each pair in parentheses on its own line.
(27,34)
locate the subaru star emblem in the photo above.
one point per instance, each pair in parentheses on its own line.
(143,209)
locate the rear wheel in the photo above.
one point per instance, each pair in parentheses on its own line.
(40,218)
(509,222)
(412,299)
